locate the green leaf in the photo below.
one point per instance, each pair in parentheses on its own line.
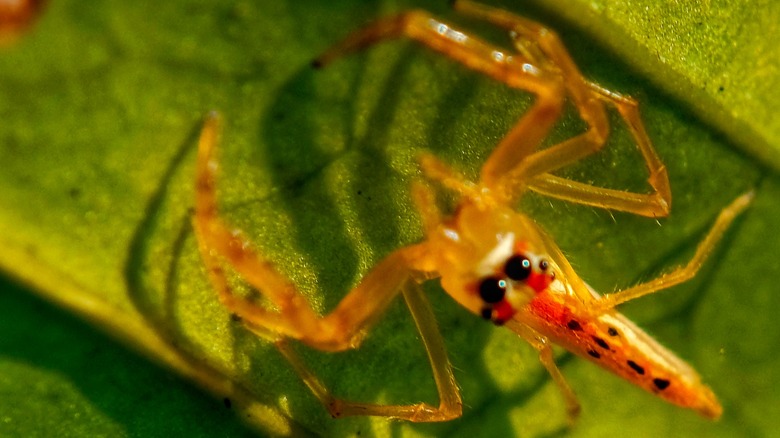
(720,60)
(101,105)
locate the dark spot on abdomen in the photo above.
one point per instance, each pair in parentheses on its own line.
(661,383)
(602,343)
(574,325)
(612,331)
(594,353)
(634,366)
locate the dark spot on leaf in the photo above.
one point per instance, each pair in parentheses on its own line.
(661,383)
(634,366)
(574,325)
(227,402)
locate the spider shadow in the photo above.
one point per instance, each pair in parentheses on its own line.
(323,236)
(141,291)
(108,375)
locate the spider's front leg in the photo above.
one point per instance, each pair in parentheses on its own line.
(514,70)
(655,204)
(341,329)
(533,171)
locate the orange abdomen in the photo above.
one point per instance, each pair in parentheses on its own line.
(615,343)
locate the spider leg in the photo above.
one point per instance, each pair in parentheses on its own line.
(425,201)
(542,345)
(345,326)
(656,204)
(650,205)
(435,169)
(513,70)
(548,51)
(552,57)
(450,405)
(683,273)
(341,329)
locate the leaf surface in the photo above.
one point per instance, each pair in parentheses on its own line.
(101,108)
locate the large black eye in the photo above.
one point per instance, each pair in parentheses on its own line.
(518,267)
(492,289)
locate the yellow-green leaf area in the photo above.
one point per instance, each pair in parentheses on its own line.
(720,58)
(102,104)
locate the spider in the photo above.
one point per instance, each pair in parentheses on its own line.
(494,261)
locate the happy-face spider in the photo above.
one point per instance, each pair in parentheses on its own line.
(494,261)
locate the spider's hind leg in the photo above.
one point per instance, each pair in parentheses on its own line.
(292,316)
(450,405)
(682,273)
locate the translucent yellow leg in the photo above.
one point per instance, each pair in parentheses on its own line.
(683,273)
(542,345)
(546,49)
(543,67)
(477,55)
(341,329)
(549,54)
(450,405)
(656,204)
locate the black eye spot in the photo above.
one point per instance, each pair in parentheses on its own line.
(518,267)
(492,289)
(543,265)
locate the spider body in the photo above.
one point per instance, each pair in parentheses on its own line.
(493,260)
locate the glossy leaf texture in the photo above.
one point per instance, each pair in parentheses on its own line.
(101,105)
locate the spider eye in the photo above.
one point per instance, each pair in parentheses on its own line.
(543,265)
(518,267)
(492,289)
